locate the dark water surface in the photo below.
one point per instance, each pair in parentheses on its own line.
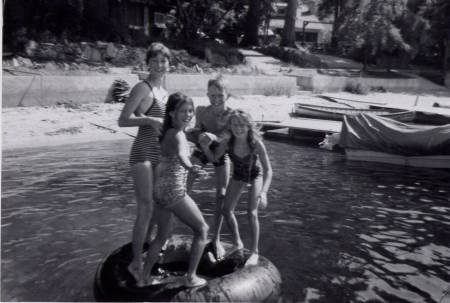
(337,231)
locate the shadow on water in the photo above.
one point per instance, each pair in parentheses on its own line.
(338,231)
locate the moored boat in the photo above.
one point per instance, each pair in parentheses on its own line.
(338,113)
(423,115)
(377,139)
(438,161)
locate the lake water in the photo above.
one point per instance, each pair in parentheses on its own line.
(337,231)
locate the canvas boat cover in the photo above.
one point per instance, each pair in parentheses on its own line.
(375,133)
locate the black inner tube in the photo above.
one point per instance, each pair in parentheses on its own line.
(114,283)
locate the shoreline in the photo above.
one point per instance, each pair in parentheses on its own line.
(72,123)
(48,126)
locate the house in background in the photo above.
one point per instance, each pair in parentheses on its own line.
(308,28)
(139,19)
(111,20)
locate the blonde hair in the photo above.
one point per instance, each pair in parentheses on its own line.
(219,81)
(253,133)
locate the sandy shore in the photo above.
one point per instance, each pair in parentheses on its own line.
(24,127)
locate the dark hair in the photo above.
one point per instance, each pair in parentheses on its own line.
(155,49)
(175,101)
(253,134)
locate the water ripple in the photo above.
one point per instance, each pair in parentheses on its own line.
(337,231)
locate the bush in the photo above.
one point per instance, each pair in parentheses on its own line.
(277,89)
(378,89)
(231,55)
(356,88)
(301,58)
(433,76)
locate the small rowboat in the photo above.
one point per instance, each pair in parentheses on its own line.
(338,113)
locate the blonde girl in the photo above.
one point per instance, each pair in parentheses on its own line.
(251,165)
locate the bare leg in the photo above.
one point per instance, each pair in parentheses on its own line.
(222,177)
(165,220)
(151,226)
(252,214)
(189,213)
(142,174)
(234,191)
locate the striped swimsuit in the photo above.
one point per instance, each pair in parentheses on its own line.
(146,146)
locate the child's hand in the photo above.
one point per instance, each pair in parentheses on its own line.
(225,136)
(198,171)
(202,174)
(205,139)
(262,200)
(157,126)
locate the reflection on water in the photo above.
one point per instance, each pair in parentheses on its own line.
(337,231)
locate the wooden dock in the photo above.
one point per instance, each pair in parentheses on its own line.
(305,125)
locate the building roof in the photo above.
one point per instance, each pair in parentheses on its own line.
(279,23)
(304,13)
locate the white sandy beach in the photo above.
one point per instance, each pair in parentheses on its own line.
(24,127)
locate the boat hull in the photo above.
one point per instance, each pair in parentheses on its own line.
(435,161)
(338,113)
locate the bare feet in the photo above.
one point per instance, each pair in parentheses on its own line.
(153,280)
(252,260)
(235,248)
(211,258)
(136,273)
(194,281)
(219,250)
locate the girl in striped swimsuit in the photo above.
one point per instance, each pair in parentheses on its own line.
(145,109)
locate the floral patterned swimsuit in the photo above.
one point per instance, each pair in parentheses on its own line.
(170,184)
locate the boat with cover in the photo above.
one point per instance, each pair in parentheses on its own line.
(338,113)
(423,115)
(372,138)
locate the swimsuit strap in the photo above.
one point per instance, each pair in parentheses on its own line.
(149,85)
(154,98)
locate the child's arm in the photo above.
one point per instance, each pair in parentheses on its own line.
(267,171)
(181,150)
(221,149)
(181,146)
(205,141)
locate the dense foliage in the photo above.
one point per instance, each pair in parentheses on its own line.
(363,29)
(374,29)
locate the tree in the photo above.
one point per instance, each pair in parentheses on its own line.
(252,22)
(288,37)
(438,13)
(371,28)
(258,10)
(335,8)
(199,18)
